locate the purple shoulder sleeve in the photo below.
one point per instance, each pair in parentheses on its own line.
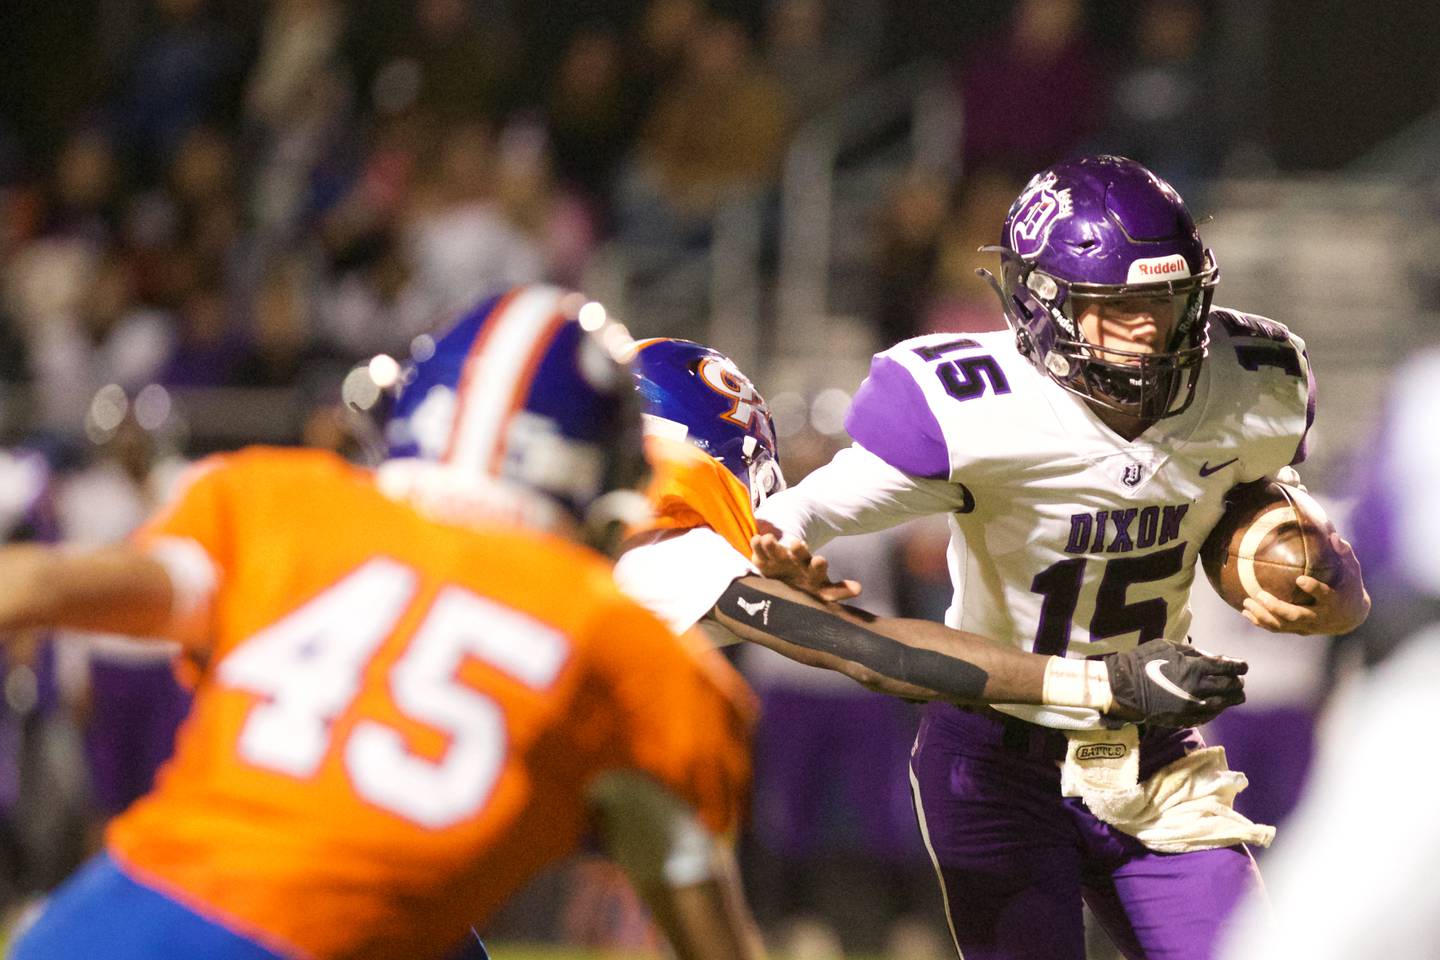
(890,418)
(1302,450)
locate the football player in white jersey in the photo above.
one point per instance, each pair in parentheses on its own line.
(1082,457)
(712,445)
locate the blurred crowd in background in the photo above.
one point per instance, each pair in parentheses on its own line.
(211,211)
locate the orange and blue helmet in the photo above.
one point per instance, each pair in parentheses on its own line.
(528,389)
(691,392)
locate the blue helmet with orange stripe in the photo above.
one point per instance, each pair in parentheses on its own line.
(528,392)
(691,392)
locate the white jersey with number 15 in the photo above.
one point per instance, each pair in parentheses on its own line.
(1065,537)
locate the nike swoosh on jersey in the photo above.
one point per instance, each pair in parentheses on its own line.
(1154,671)
(1206,469)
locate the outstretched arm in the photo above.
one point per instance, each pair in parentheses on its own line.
(923,660)
(117,589)
(856,492)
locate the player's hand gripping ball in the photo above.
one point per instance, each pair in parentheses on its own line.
(1270,534)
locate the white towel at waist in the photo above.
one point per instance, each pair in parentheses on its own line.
(1187,805)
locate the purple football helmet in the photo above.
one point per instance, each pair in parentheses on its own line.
(1106,229)
(691,391)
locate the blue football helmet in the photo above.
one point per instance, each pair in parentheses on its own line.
(692,392)
(528,390)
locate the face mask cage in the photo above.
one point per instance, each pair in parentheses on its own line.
(1043,311)
(765,478)
(1147,386)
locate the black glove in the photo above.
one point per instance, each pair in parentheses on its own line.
(1172,685)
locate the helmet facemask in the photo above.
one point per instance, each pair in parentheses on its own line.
(765,476)
(1045,310)
(1100,230)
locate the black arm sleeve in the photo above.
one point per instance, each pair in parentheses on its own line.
(747,610)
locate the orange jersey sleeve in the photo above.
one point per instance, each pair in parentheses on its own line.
(399,717)
(199,519)
(690,488)
(199,510)
(684,715)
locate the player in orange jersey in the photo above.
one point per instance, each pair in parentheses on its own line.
(712,442)
(418,685)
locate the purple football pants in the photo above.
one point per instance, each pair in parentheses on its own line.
(1014,858)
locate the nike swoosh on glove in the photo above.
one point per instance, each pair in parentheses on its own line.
(1172,684)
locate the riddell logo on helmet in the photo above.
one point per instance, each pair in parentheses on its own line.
(1151,269)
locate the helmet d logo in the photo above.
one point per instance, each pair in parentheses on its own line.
(1040,209)
(722,376)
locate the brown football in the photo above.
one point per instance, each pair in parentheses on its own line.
(1270,534)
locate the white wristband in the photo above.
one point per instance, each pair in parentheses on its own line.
(1077,683)
(194,578)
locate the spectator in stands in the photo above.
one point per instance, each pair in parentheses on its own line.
(82,201)
(591,110)
(907,254)
(1029,96)
(1163,108)
(718,129)
(962,300)
(659,52)
(560,224)
(297,107)
(458,240)
(468,65)
(370,305)
(299,43)
(83,327)
(187,70)
(804,53)
(201,183)
(208,344)
(367,216)
(283,350)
